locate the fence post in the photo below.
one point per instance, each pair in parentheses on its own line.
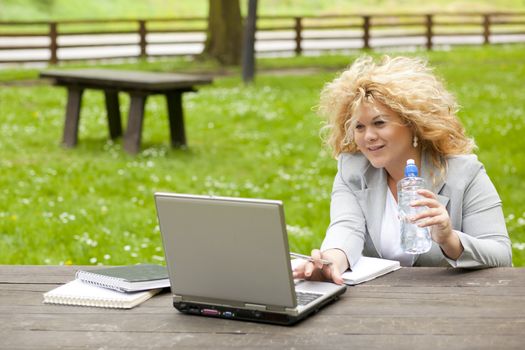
(429,25)
(298,35)
(53,45)
(486,28)
(366,32)
(142,35)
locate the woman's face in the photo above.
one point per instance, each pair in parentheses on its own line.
(381,136)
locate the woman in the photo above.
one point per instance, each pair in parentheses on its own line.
(380,115)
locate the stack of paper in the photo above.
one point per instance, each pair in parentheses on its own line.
(114,287)
(79,293)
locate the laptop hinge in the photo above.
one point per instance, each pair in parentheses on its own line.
(255,306)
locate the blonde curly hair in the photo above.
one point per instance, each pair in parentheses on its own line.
(408,87)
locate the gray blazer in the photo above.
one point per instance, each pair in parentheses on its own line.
(474,207)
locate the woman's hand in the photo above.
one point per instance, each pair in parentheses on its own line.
(437,218)
(317,271)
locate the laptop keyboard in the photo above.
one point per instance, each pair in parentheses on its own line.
(305,298)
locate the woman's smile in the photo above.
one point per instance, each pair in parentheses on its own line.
(375,148)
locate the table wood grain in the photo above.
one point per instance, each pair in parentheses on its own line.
(412,308)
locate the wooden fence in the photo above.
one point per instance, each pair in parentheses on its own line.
(53,42)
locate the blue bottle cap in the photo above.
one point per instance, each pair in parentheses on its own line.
(411,169)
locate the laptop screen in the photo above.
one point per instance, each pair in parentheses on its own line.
(228,249)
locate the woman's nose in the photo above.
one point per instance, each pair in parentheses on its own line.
(370,135)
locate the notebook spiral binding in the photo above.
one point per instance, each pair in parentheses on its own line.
(107,282)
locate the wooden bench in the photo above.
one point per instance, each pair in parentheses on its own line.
(139,85)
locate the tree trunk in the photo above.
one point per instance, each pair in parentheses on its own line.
(224,34)
(248,51)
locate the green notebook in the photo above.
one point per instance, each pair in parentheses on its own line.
(129,278)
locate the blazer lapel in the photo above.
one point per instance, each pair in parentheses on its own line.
(433,179)
(372,199)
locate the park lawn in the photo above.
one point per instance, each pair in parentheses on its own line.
(81,9)
(94,204)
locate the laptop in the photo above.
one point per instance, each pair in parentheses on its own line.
(229,258)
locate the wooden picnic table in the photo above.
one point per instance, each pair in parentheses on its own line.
(139,85)
(412,308)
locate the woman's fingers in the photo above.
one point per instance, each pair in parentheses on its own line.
(298,270)
(316,255)
(317,271)
(431,222)
(309,269)
(436,216)
(434,213)
(427,193)
(428,198)
(306,271)
(429,213)
(426,202)
(334,274)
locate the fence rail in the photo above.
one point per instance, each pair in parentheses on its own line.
(54,42)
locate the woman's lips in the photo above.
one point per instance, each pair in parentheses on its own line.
(375,148)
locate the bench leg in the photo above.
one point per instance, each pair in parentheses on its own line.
(176,119)
(134,129)
(74,100)
(113,110)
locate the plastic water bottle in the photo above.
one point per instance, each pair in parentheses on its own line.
(414,239)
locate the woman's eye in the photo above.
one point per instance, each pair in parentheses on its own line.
(359,127)
(379,123)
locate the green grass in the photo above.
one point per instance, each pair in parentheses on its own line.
(80,9)
(177,64)
(94,203)
(188,65)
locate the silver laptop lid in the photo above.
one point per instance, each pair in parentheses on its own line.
(229,249)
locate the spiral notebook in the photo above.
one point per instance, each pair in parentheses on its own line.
(79,293)
(130,278)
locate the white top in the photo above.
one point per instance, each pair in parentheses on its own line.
(390,234)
